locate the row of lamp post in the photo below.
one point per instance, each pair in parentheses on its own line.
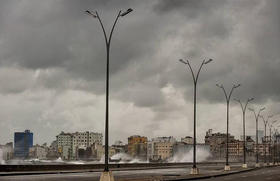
(107,175)
(243,108)
(228,95)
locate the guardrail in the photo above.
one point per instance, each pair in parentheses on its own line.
(18,168)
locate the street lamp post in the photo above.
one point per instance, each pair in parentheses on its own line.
(257,135)
(194,169)
(275,147)
(227,167)
(106,174)
(270,141)
(243,108)
(265,121)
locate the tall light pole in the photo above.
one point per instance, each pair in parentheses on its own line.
(228,96)
(265,121)
(270,140)
(243,108)
(275,146)
(108,43)
(257,135)
(194,169)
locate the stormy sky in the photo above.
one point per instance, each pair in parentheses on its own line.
(53,63)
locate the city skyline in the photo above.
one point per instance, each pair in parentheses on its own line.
(88,146)
(52,66)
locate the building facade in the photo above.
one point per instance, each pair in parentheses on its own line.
(137,146)
(23,141)
(6,151)
(77,145)
(53,151)
(160,148)
(84,140)
(64,145)
(217,142)
(120,147)
(38,152)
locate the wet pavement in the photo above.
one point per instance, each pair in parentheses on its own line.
(125,175)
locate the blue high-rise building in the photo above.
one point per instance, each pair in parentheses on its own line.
(23,141)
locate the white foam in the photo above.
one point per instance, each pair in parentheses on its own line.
(201,155)
(2,161)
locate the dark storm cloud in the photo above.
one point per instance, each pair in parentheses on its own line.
(59,34)
(58,37)
(55,46)
(219,24)
(191,8)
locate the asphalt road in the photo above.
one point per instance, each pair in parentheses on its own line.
(119,175)
(264,174)
(272,173)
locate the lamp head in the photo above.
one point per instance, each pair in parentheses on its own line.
(91,13)
(208,61)
(235,86)
(184,62)
(126,12)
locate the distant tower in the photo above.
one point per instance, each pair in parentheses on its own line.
(23,141)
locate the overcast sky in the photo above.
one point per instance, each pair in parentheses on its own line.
(52,73)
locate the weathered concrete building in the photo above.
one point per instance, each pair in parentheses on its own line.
(160,148)
(64,145)
(137,146)
(216,141)
(39,152)
(84,140)
(6,152)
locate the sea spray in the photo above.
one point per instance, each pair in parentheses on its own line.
(2,161)
(187,156)
(122,157)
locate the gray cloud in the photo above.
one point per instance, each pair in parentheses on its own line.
(56,53)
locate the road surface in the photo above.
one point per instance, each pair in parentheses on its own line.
(264,174)
(271,173)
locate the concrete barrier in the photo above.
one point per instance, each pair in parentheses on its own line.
(57,167)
